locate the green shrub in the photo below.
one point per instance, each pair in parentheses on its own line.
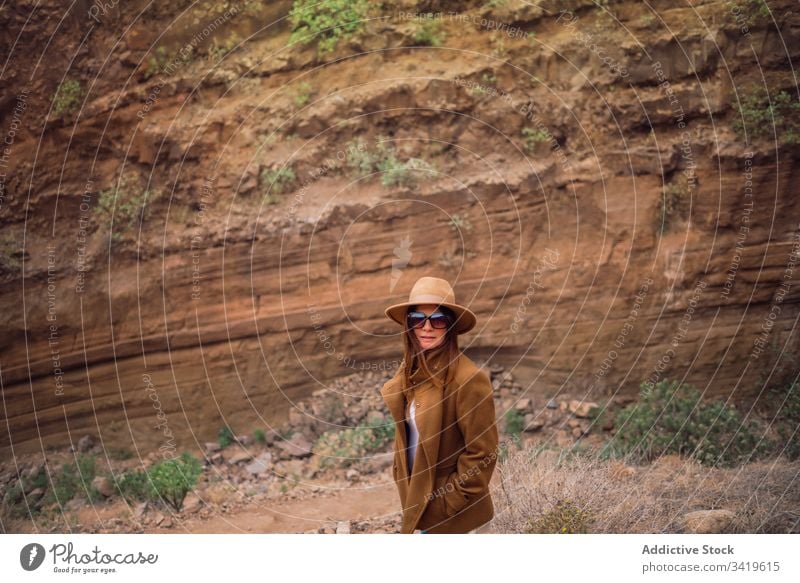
(326,21)
(259,436)
(514,420)
(397,173)
(531,137)
(275,182)
(127,202)
(348,446)
(383,159)
(133,486)
(360,159)
(430,33)
(763,116)
(155,62)
(565,517)
(674,205)
(67,97)
(670,418)
(171,480)
(75,478)
(225,436)
(303,95)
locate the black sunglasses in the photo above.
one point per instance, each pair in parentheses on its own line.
(438,320)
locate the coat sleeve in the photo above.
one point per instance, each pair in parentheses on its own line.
(476,420)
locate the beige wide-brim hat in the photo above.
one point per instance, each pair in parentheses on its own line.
(434,290)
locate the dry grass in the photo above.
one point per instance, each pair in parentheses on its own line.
(542,489)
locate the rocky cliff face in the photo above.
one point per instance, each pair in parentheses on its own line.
(202,222)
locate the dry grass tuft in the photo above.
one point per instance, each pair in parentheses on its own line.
(547,491)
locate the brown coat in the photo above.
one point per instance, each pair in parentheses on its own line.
(448,491)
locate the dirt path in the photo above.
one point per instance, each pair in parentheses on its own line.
(326,509)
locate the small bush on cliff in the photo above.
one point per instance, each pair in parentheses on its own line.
(670,418)
(275,181)
(125,204)
(674,205)
(326,21)
(429,33)
(383,159)
(68,97)
(764,116)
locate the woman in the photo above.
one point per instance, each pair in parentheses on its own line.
(445,445)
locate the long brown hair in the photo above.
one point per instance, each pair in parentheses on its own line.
(415,358)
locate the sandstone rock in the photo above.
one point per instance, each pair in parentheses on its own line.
(522,405)
(75,504)
(352,474)
(343,527)
(375,418)
(532,423)
(35,494)
(192,503)
(297,418)
(212,446)
(708,521)
(85,443)
(104,486)
(296,446)
(496,369)
(240,457)
(244,439)
(583,408)
(260,464)
(140,510)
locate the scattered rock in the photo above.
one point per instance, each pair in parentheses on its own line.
(140,510)
(192,503)
(522,404)
(375,418)
(240,457)
(352,474)
(104,486)
(583,409)
(85,443)
(297,446)
(260,464)
(212,446)
(245,440)
(708,521)
(34,495)
(551,404)
(75,504)
(532,423)
(343,527)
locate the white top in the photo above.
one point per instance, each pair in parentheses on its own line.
(413,435)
